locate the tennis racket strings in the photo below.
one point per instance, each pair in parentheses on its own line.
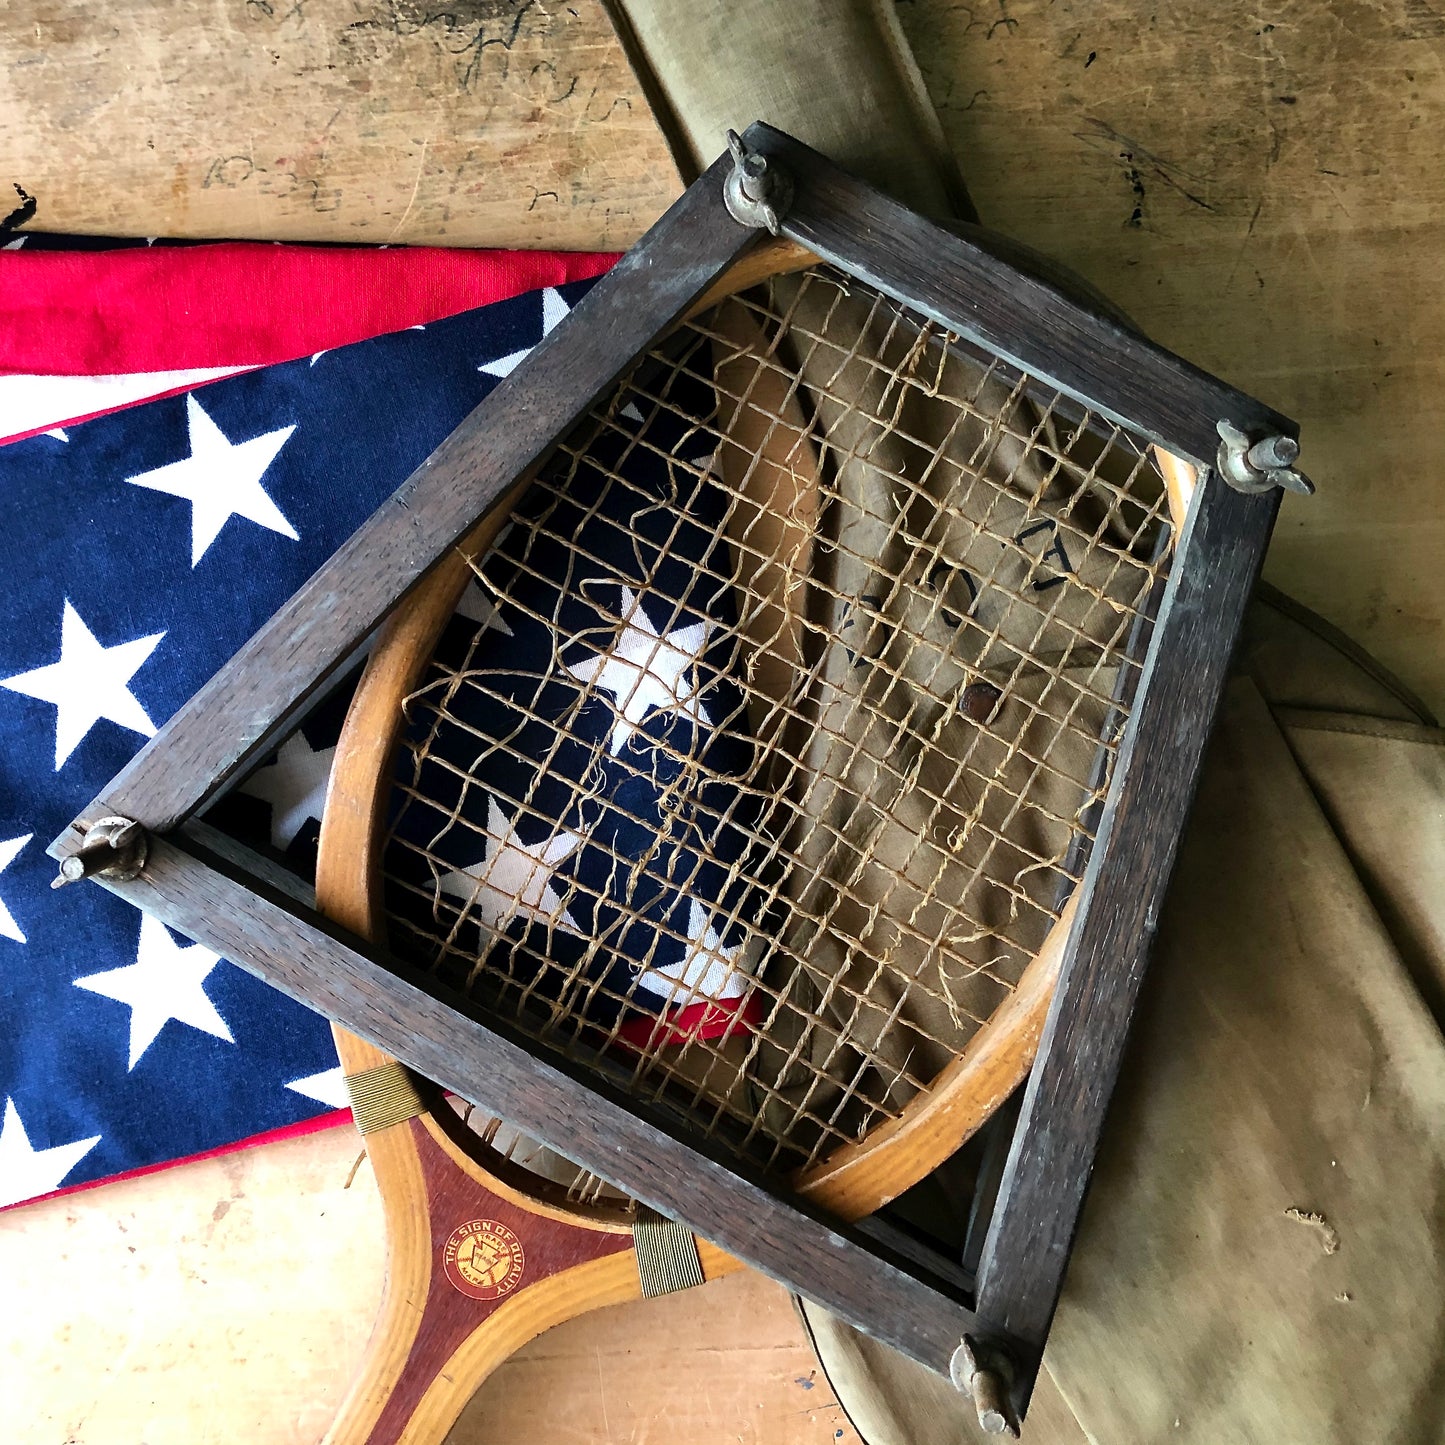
(766,744)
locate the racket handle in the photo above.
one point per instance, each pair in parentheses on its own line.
(475,1269)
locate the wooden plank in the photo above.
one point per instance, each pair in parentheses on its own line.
(638,1150)
(486,123)
(1052,1155)
(242,710)
(1110,368)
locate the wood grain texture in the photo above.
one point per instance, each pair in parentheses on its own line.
(441,1038)
(1120,898)
(480,123)
(246,706)
(725,1363)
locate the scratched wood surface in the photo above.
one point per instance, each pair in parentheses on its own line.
(474,122)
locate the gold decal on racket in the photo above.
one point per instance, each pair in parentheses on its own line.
(483,1259)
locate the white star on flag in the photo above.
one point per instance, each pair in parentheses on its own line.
(8,926)
(166,981)
(644,670)
(294,786)
(221,480)
(708,968)
(514,877)
(45,403)
(554,308)
(27,1172)
(327,1087)
(477,607)
(88,683)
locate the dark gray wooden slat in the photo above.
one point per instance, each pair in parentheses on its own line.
(1112,369)
(638,1150)
(246,706)
(1121,895)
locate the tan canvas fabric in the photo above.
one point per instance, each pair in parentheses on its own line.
(1382,788)
(1261,1256)
(837,74)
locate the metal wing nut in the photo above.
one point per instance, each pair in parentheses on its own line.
(1261,464)
(758,191)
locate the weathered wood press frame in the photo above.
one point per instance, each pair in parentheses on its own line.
(211,894)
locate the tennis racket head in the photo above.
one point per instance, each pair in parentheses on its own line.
(750,753)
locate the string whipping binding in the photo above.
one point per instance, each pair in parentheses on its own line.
(667,1257)
(383,1096)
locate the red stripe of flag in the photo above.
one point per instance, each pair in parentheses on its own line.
(168,308)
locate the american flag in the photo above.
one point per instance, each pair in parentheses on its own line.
(141,547)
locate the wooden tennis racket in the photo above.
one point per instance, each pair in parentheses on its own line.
(764,686)
(756,771)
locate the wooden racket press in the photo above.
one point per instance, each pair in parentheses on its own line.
(482,1273)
